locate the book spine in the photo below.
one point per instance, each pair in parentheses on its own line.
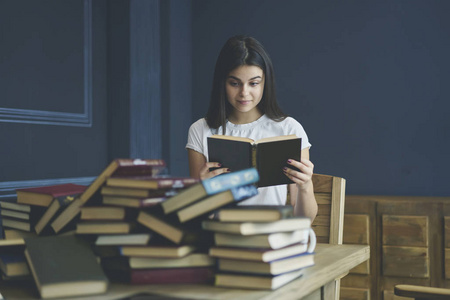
(227,181)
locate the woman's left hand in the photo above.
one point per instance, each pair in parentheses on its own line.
(303,179)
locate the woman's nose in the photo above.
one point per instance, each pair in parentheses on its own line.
(244,90)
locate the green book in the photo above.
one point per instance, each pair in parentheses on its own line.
(64,266)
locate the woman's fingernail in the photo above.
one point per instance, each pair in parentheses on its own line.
(289,161)
(219,165)
(285,169)
(228,170)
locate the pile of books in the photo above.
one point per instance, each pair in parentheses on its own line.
(144,226)
(137,225)
(260,247)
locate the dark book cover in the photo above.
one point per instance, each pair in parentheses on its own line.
(268,157)
(67,261)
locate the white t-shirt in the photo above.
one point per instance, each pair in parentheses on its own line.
(261,128)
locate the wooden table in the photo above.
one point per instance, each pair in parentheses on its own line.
(331,262)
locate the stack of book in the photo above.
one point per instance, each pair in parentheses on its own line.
(260,247)
(177,248)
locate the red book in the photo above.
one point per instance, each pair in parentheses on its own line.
(165,276)
(43,196)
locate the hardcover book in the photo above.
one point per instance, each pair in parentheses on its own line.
(136,192)
(258,254)
(57,206)
(275,267)
(255,213)
(213,202)
(119,167)
(123,239)
(255,281)
(269,155)
(15,206)
(64,266)
(250,228)
(43,196)
(208,187)
(151,182)
(103,227)
(172,232)
(274,240)
(132,202)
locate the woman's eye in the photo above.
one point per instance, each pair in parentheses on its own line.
(233,83)
(254,83)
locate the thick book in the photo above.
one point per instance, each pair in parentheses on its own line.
(57,206)
(213,202)
(12,234)
(269,155)
(135,262)
(123,239)
(103,227)
(192,275)
(255,281)
(15,206)
(172,232)
(208,187)
(255,213)
(136,192)
(250,228)
(15,223)
(275,267)
(64,266)
(274,240)
(43,196)
(151,182)
(258,254)
(118,167)
(132,201)
(165,251)
(108,213)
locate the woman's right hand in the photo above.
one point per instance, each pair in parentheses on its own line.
(206,172)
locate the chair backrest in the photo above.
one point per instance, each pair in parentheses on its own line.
(330,196)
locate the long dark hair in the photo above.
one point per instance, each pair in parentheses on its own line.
(238,51)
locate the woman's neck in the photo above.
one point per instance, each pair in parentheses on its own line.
(244,118)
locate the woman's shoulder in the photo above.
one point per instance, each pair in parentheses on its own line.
(199,125)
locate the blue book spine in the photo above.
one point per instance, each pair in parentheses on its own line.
(244,192)
(228,181)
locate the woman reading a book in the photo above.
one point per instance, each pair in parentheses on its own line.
(243,103)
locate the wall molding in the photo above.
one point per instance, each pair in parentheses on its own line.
(28,116)
(8,188)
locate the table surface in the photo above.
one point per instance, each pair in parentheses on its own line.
(331,261)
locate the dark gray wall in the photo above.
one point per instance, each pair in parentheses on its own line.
(367,79)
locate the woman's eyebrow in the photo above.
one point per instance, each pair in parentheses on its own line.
(253,78)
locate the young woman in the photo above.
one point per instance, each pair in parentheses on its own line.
(243,103)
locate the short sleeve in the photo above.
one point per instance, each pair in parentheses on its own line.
(294,127)
(196,136)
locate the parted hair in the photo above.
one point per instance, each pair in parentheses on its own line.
(238,51)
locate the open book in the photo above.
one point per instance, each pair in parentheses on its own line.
(269,155)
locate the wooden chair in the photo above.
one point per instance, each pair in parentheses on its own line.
(421,292)
(329,222)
